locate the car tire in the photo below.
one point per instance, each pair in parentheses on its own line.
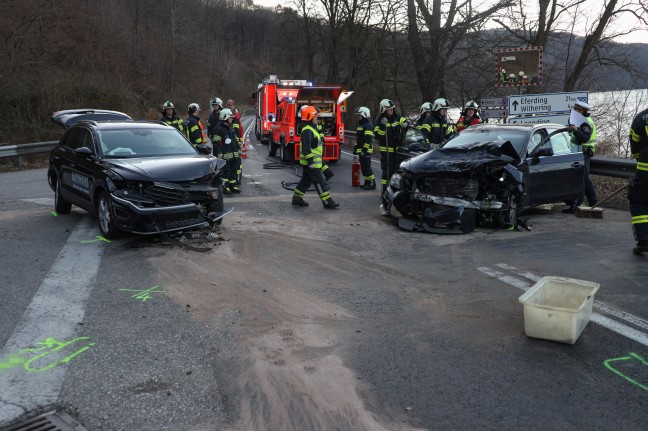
(106,216)
(60,204)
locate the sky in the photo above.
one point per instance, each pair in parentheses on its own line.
(635,37)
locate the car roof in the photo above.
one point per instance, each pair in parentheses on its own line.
(126,125)
(70,117)
(522,126)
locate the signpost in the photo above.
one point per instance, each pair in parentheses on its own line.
(544,103)
(493,107)
(541,119)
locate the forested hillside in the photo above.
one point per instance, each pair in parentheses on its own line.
(133,55)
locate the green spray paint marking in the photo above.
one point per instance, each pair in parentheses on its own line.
(99,238)
(54,213)
(631,356)
(47,347)
(143,295)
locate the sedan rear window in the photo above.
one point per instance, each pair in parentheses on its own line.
(483,136)
(144,142)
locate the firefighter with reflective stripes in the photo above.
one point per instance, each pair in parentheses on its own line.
(310,158)
(170,117)
(326,170)
(424,121)
(364,147)
(388,130)
(469,116)
(584,135)
(226,148)
(638,192)
(440,129)
(214,117)
(194,126)
(238,128)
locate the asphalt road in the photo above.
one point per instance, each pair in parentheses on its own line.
(305,318)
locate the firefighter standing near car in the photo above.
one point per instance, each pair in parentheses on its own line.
(440,129)
(364,147)
(194,130)
(238,128)
(584,135)
(170,117)
(469,116)
(638,192)
(388,130)
(226,148)
(214,117)
(310,158)
(424,121)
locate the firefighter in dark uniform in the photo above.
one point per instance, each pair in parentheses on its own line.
(310,158)
(326,170)
(214,117)
(170,117)
(440,129)
(226,148)
(194,129)
(238,128)
(364,147)
(584,135)
(388,129)
(424,121)
(638,192)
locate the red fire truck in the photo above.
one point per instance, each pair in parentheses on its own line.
(329,100)
(269,93)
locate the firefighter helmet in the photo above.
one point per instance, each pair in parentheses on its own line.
(216,101)
(167,105)
(308,113)
(472,105)
(439,104)
(426,107)
(386,104)
(193,108)
(363,111)
(521,74)
(225,114)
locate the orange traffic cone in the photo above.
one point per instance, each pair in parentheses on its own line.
(244,150)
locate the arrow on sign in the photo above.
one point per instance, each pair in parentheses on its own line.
(515,104)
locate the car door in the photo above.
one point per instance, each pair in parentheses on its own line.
(78,167)
(555,167)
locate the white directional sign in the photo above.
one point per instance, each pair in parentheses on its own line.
(494,102)
(544,103)
(541,119)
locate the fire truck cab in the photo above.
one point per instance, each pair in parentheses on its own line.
(330,102)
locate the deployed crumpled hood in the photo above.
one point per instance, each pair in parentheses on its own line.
(463,158)
(172,169)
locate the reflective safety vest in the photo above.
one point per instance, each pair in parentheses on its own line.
(314,153)
(591,144)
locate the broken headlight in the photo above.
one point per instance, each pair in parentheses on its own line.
(396,181)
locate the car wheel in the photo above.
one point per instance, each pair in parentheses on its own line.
(106,216)
(60,204)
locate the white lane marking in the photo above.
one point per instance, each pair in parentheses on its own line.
(524,274)
(41,201)
(606,322)
(55,312)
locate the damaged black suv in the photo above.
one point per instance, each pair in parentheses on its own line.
(485,176)
(140,177)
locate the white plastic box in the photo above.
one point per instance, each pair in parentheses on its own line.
(558,308)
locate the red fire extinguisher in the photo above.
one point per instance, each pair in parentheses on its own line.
(356,174)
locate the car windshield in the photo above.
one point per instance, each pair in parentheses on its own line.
(476,135)
(143,142)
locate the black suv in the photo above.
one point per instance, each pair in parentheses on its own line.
(140,177)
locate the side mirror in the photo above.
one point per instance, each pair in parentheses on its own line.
(204,149)
(83,151)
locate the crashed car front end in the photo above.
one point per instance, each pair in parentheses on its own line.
(455,191)
(151,207)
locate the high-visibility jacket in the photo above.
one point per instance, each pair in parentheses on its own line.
(194,130)
(465,122)
(310,147)
(585,135)
(225,140)
(388,131)
(591,143)
(364,138)
(212,122)
(174,121)
(440,130)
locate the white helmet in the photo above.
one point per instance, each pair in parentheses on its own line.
(193,108)
(216,101)
(426,107)
(363,111)
(386,104)
(439,104)
(521,74)
(225,114)
(167,105)
(472,105)
(583,105)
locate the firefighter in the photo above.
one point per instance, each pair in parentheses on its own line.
(469,117)
(310,157)
(238,128)
(170,117)
(326,170)
(502,76)
(423,123)
(226,148)
(440,129)
(584,135)
(388,129)
(214,117)
(194,130)
(364,147)
(638,192)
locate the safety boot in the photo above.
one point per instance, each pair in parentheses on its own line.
(227,191)
(641,248)
(299,202)
(235,189)
(330,204)
(370,185)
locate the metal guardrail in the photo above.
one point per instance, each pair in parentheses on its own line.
(17,152)
(604,166)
